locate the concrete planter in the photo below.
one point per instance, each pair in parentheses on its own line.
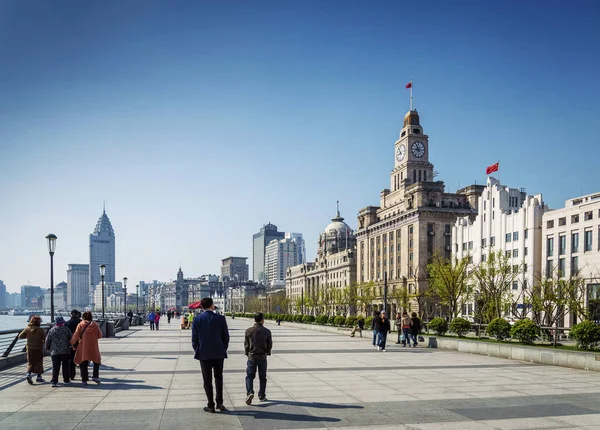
(555,357)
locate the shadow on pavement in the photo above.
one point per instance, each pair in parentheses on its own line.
(282,416)
(318,405)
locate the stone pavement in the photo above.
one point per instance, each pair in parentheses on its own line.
(316,380)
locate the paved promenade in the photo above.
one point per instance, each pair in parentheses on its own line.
(316,380)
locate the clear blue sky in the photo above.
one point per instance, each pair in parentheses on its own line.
(200,121)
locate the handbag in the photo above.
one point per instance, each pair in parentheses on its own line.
(421,338)
(402,338)
(80,337)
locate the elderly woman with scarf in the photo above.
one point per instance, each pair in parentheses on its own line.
(86,338)
(35,336)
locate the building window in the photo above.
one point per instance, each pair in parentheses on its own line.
(410,243)
(525,252)
(484,217)
(525,268)
(410,257)
(448,229)
(493,202)
(515,285)
(574,219)
(526,234)
(470,259)
(483,243)
(515,235)
(562,221)
(574,265)
(507,253)
(550,246)
(410,271)
(561,267)
(484,204)
(549,269)
(575,242)
(483,258)
(515,253)
(562,244)
(588,241)
(588,216)
(492,240)
(470,245)
(508,237)
(464,246)
(516,268)
(550,224)
(410,229)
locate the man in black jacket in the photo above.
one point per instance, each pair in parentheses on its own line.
(257,345)
(384,329)
(72,325)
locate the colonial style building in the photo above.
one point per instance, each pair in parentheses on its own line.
(507,221)
(334,267)
(571,246)
(413,220)
(234,268)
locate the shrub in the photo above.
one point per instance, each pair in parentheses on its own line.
(308,319)
(460,326)
(289,318)
(322,319)
(331,320)
(439,325)
(298,318)
(351,321)
(368,322)
(339,320)
(525,330)
(499,328)
(587,334)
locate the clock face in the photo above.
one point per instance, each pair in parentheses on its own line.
(418,149)
(400,152)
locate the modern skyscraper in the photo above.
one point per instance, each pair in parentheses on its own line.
(31,297)
(3,300)
(232,266)
(279,255)
(259,243)
(297,237)
(102,251)
(78,286)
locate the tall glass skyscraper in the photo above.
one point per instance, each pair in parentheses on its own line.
(102,251)
(260,241)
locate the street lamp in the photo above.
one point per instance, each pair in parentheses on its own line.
(102,271)
(51,248)
(125,296)
(137,299)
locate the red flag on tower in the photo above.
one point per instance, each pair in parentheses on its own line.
(491,169)
(409,85)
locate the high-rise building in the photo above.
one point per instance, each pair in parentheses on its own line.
(234,268)
(60,298)
(32,297)
(260,241)
(301,245)
(14,300)
(110,288)
(279,255)
(3,300)
(102,251)
(78,286)
(413,220)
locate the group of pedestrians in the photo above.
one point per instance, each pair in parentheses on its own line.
(154,319)
(70,343)
(408,328)
(210,341)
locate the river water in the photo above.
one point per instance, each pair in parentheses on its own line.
(8,322)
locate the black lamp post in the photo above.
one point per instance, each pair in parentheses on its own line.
(125,296)
(385,291)
(137,299)
(102,271)
(51,248)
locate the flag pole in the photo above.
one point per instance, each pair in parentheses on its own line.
(411,95)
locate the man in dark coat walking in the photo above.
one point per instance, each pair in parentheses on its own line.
(257,346)
(72,325)
(210,340)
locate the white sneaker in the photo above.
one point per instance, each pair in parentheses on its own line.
(378,348)
(383,350)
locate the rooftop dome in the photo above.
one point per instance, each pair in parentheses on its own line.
(104,226)
(337,236)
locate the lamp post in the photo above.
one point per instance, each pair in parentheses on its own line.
(125,296)
(385,291)
(102,271)
(137,299)
(51,248)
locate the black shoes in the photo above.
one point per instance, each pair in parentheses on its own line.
(263,399)
(249,398)
(209,410)
(222,408)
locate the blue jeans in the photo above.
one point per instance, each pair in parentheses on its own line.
(375,337)
(407,336)
(382,339)
(251,367)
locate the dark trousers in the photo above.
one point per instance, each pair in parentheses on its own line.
(375,337)
(72,365)
(168,319)
(251,366)
(382,339)
(207,367)
(151,325)
(83,368)
(58,361)
(156,324)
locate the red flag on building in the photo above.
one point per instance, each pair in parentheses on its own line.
(491,169)
(409,85)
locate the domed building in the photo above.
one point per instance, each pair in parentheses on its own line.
(313,286)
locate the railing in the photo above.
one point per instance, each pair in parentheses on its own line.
(11,344)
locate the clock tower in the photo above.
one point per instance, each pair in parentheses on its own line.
(411,155)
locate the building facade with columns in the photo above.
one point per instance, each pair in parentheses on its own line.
(334,269)
(414,219)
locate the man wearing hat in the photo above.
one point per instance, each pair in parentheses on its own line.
(57,342)
(72,325)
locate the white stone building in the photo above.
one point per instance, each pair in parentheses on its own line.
(110,288)
(571,245)
(279,255)
(507,220)
(78,287)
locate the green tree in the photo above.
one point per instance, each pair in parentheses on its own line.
(401,297)
(449,280)
(366,296)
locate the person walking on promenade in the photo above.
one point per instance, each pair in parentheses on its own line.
(151,319)
(57,342)
(257,346)
(398,324)
(130,316)
(169,315)
(86,340)
(375,328)
(360,325)
(35,336)
(406,325)
(384,329)
(190,319)
(72,326)
(415,328)
(210,340)
(156,319)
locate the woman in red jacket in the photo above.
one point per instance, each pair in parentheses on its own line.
(156,319)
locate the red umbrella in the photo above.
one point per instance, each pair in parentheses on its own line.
(194,305)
